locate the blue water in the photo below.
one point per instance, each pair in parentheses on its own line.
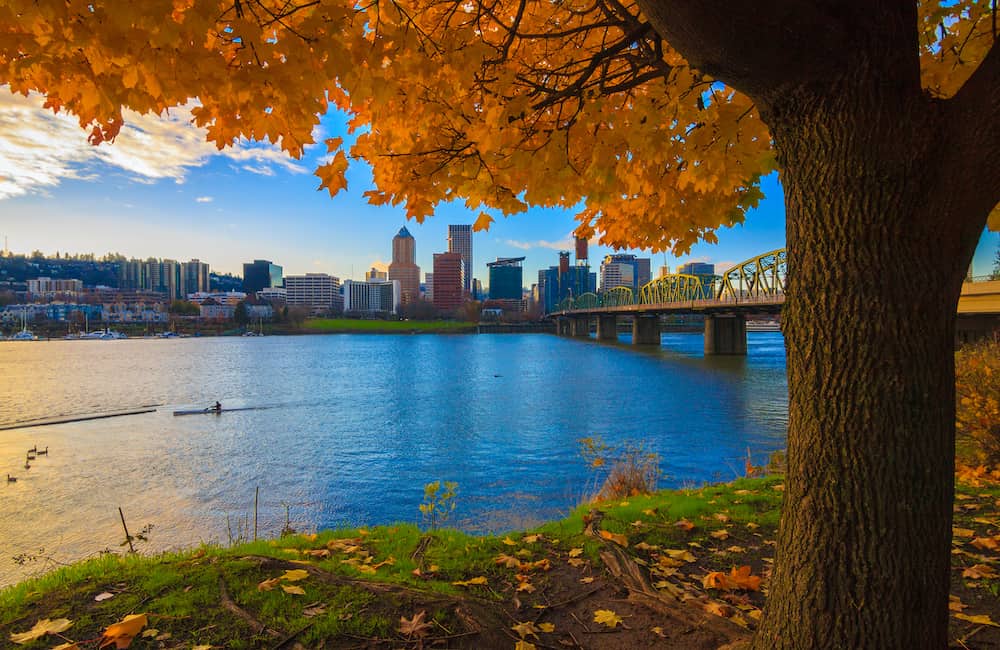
(356,425)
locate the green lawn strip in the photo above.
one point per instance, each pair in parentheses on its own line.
(359,325)
(182,595)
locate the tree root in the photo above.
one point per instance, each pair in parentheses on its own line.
(641,591)
(228,603)
(477,617)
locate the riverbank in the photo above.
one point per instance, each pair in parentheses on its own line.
(694,565)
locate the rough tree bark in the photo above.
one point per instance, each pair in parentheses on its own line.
(887,191)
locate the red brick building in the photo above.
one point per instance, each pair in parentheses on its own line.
(449,281)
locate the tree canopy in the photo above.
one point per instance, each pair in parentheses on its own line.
(503,103)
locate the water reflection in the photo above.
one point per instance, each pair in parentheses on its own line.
(359,424)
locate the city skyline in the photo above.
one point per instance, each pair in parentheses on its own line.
(161,182)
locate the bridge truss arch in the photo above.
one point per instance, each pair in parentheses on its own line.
(587,300)
(677,287)
(758,278)
(617,297)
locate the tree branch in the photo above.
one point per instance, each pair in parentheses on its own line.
(763,47)
(972,118)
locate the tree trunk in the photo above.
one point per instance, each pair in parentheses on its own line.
(863,548)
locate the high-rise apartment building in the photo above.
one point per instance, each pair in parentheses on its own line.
(460,241)
(449,281)
(194,277)
(372,297)
(261,274)
(164,276)
(317,292)
(403,267)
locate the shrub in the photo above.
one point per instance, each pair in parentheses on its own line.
(977,389)
(628,470)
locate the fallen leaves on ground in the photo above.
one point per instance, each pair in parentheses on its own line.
(621,540)
(736,579)
(480,580)
(979,619)
(293,589)
(414,626)
(41,628)
(526,629)
(122,632)
(607,617)
(980,572)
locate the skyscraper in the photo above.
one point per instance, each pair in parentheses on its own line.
(506,278)
(194,276)
(460,241)
(449,280)
(404,267)
(262,274)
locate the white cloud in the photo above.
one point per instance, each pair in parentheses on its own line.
(561,245)
(204,199)
(40,149)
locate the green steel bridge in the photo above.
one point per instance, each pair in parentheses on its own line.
(754,286)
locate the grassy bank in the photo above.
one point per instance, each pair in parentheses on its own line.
(677,555)
(352,325)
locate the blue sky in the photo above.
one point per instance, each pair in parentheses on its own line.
(161,191)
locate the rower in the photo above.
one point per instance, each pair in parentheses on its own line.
(218,407)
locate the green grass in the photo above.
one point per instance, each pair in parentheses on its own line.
(358,325)
(181,592)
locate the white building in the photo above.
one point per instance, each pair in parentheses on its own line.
(317,291)
(617,274)
(273,294)
(231,298)
(379,297)
(49,287)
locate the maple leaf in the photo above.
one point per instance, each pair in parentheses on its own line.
(121,633)
(524,645)
(294,575)
(986,543)
(980,572)
(721,534)
(481,580)
(684,524)
(737,579)
(575,552)
(40,629)
(978,619)
(607,617)
(293,589)
(524,630)
(268,585)
(482,222)
(414,626)
(333,174)
(621,540)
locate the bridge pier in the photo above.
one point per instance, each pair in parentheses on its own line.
(726,335)
(580,326)
(646,330)
(607,327)
(562,326)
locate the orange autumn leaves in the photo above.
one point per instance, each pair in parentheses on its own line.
(119,634)
(737,579)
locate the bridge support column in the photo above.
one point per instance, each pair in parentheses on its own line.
(580,326)
(726,335)
(607,328)
(646,330)
(562,326)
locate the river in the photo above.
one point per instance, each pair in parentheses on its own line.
(355,425)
